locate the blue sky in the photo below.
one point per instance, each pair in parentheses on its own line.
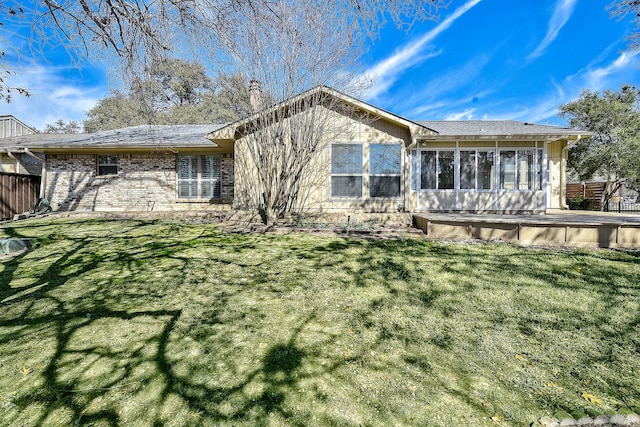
(484,59)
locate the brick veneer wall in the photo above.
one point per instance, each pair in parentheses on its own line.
(145,182)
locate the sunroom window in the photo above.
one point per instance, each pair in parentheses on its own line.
(476,170)
(199,177)
(521,170)
(437,170)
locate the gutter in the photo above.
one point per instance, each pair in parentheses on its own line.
(35,156)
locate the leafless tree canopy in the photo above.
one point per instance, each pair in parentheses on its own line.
(132,34)
(288,46)
(620,9)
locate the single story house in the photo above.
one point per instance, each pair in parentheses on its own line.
(370,160)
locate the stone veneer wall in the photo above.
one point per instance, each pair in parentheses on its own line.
(145,182)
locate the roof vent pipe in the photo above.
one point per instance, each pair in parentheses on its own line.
(255,96)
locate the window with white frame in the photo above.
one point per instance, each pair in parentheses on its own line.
(437,170)
(346,170)
(521,170)
(349,170)
(107,165)
(384,170)
(477,169)
(199,177)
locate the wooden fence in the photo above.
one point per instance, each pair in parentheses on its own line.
(18,193)
(588,190)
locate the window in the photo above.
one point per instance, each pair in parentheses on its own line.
(486,170)
(521,170)
(525,169)
(507,170)
(437,170)
(539,170)
(467,170)
(477,169)
(384,170)
(107,165)
(346,170)
(199,177)
(428,169)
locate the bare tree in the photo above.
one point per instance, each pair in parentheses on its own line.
(620,9)
(289,46)
(281,146)
(132,35)
(281,157)
(8,13)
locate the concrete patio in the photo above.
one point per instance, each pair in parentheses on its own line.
(560,228)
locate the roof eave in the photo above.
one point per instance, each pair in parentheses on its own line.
(514,137)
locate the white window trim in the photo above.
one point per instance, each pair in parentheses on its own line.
(399,174)
(476,189)
(198,179)
(365,174)
(361,174)
(456,173)
(537,186)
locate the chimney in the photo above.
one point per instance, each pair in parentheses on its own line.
(255,96)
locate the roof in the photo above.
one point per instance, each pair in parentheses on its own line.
(135,137)
(498,129)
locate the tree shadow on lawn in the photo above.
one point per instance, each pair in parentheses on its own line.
(569,308)
(82,360)
(112,354)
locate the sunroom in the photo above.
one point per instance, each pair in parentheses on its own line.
(489,166)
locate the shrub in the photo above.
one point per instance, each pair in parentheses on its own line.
(580,203)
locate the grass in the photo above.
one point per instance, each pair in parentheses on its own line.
(164,323)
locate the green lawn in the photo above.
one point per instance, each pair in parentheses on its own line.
(165,323)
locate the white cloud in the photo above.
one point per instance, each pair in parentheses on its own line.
(387,71)
(54,95)
(464,115)
(598,78)
(436,94)
(452,80)
(561,14)
(608,76)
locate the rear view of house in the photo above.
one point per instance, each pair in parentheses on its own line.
(369,160)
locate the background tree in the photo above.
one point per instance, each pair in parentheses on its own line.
(175,92)
(614,149)
(61,126)
(114,112)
